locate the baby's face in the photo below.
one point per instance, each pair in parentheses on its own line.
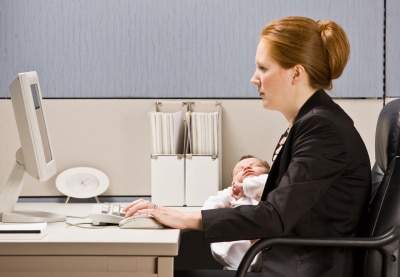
(247,168)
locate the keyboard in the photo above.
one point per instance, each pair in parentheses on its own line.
(107,213)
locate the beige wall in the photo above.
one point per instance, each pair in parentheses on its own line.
(114,135)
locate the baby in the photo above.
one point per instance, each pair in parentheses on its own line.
(248,180)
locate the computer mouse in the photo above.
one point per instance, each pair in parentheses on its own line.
(140,221)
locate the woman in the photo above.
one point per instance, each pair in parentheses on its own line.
(320,179)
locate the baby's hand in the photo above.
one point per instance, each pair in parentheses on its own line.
(237,190)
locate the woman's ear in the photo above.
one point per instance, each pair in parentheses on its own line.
(298,72)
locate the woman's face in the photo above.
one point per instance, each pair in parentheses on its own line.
(272,80)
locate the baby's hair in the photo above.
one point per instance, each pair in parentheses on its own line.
(264,163)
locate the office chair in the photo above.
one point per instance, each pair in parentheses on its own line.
(378,248)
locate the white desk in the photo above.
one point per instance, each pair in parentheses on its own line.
(74,251)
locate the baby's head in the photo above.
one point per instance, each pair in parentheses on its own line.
(249,166)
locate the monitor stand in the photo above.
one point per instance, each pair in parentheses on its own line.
(9,193)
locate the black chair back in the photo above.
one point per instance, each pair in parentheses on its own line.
(384,209)
(387,141)
(384,214)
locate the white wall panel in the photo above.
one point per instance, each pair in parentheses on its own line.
(113,135)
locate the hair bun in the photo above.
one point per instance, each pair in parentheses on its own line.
(337,46)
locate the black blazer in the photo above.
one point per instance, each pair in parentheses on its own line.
(319,185)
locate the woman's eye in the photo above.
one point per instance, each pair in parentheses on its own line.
(262,69)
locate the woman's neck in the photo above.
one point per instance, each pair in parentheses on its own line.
(300,98)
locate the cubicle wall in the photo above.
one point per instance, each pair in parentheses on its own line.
(174,48)
(392,46)
(103,65)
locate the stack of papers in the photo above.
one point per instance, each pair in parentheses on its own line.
(167,133)
(23,230)
(203,135)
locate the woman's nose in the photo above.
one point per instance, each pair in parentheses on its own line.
(254,80)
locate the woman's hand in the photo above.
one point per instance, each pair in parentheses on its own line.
(166,216)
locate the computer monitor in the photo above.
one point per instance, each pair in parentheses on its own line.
(35,156)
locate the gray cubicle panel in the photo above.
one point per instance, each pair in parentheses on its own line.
(171,49)
(392,48)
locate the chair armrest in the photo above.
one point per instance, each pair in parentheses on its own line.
(393,234)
